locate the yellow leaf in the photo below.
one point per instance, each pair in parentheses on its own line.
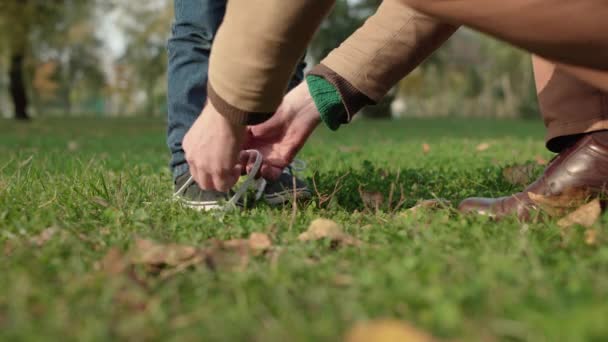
(259,242)
(482,147)
(148,252)
(387,330)
(591,237)
(426,148)
(327,229)
(585,216)
(559,205)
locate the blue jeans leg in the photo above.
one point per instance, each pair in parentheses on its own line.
(196,22)
(195,26)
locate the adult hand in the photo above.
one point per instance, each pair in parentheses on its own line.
(280,138)
(212,147)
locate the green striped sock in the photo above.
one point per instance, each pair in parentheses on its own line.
(328,101)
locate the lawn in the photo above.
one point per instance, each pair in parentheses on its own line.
(76,196)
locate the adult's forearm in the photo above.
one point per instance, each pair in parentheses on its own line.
(255,54)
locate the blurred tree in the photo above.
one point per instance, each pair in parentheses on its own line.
(146,27)
(32,30)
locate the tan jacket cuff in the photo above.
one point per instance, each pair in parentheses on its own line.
(352,98)
(231,113)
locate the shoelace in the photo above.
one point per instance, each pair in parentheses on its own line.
(231,204)
(296,166)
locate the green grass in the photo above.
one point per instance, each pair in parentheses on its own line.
(103,183)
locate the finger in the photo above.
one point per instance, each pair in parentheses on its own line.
(239,170)
(268,128)
(224,182)
(194,173)
(270,172)
(252,158)
(242,163)
(205,182)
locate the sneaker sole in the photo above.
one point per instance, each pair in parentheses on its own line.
(204,206)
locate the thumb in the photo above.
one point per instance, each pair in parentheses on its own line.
(271,172)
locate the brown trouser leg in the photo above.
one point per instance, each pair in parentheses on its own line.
(569,106)
(573,99)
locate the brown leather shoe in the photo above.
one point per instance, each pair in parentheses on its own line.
(577,173)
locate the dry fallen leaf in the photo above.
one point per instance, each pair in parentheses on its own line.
(73,145)
(168,259)
(387,330)
(228,255)
(585,216)
(482,147)
(114,262)
(426,148)
(519,174)
(591,237)
(44,236)
(9,248)
(327,229)
(148,252)
(259,242)
(343,280)
(559,205)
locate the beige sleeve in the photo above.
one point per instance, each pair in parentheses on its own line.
(255,53)
(385,49)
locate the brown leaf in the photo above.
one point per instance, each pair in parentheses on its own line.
(44,236)
(482,147)
(591,237)
(585,216)
(148,252)
(343,280)
(387,330)
(9,248)
(426,148)
(228,255)
(114,262)
(327,229)
(259,242)
(522,174)
(73,145)
(559,205)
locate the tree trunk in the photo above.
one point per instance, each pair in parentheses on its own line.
(17,87)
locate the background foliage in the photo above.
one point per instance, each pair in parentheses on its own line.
(107,57)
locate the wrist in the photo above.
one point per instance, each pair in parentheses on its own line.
(216,121)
